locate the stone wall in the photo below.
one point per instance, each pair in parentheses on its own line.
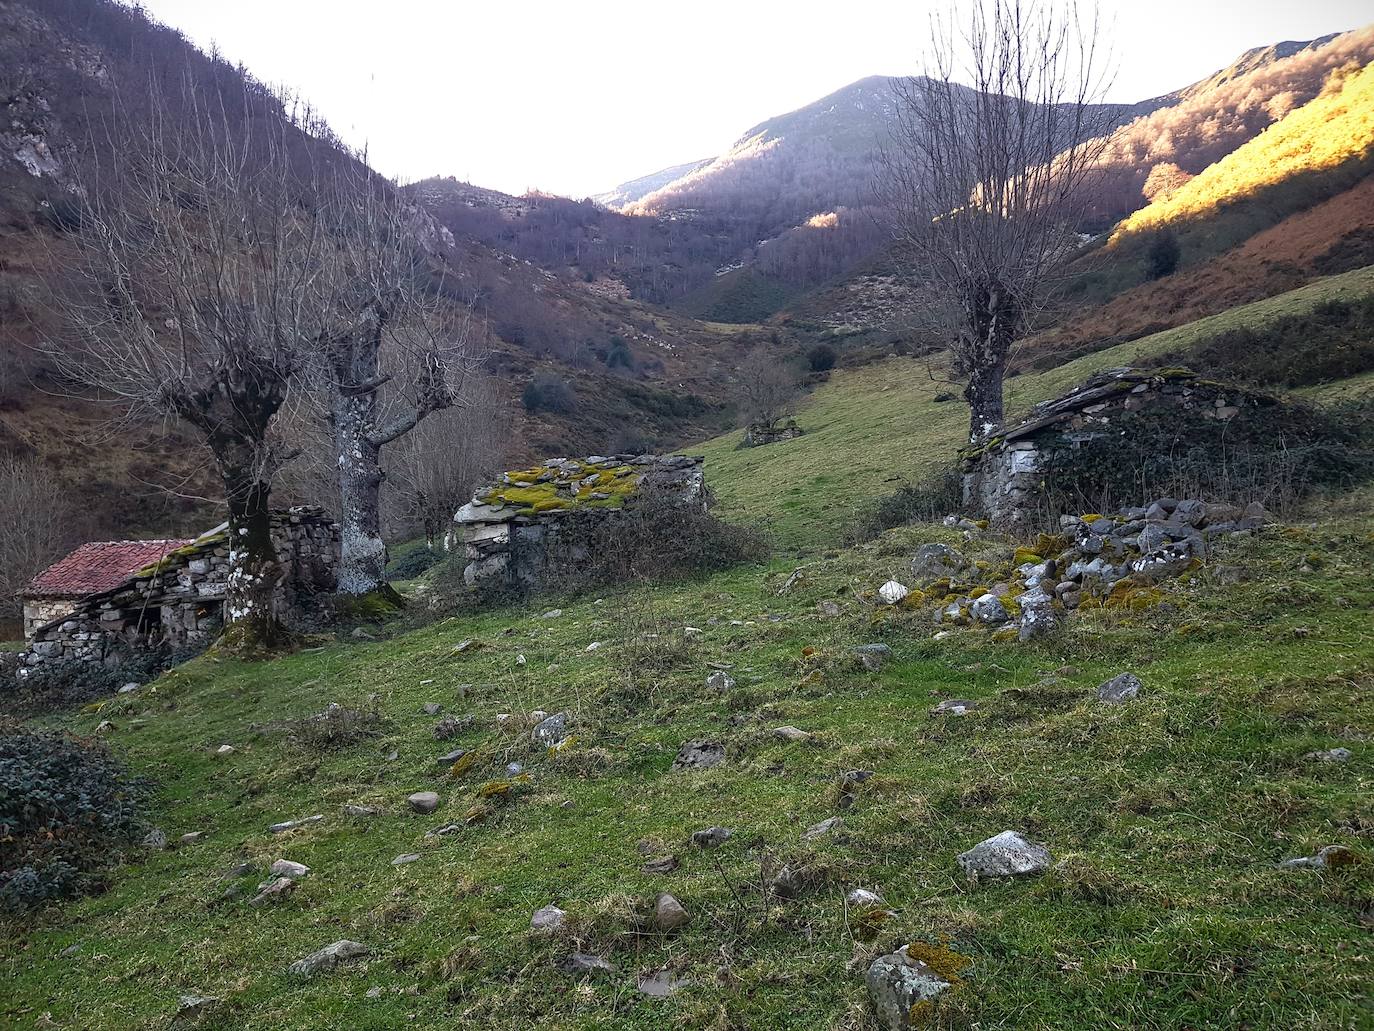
(759,434)
(179,600)
(1003,479)
(510,532)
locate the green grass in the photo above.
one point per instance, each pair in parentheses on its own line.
(1166,815)
(872,429)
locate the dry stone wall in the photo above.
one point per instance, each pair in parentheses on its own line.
(510,531)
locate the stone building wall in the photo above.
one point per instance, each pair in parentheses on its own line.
(510,532)
(1003,479)
(180,599)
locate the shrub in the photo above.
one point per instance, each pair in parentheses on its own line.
(1274,454)
(64,682)
(619,356)
(654,538)
(334,728)
(1163,254)
(548,393)
(68,812)
(821,358)
(412,562)
(924,502)
(1333,341)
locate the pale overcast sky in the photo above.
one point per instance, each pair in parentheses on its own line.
(577,97)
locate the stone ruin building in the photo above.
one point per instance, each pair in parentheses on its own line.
(108,599)
(757,434)
(1003,479)
(511,530)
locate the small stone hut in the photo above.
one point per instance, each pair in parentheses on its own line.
(110,598)
(511,530)
(1003,479)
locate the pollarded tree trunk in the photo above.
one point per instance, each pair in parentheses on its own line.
(234,413)
(362,565)
(993,322)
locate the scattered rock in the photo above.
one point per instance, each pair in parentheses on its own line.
(829,609)
(423,801)
(1330,755)
(585,963)
(661,865)
(225,750)
(934,561)
(272,890)
(406,858)
(788,882)
(286,868)
(711,837)
(449,758)
(548,920)
(862,898)
(873,656)
(451,727)
(1038,617)
(699,755)
(191,837)
(362,634)
(551,730)
(466,646)
(790,733)
(432,708)
(552,614)
(358,811)
(659,984)
(989,610)
(128,688)
(241,870)
(104,727)
(954,707)
(594,646)
(892,592)
(720,681)
(155,839)
(1005,855)
(817,830)
(897,983)
(669,914)
(193,1007)
(1120,688)
(328,958)
(1331,855)
(290,825)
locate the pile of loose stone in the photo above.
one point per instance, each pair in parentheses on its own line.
(1095,561)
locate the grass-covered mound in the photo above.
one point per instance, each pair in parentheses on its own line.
(1165,816)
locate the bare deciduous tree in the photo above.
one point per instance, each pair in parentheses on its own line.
(986,177)
(768,387)
(393,350)
(36,518)
(191,296)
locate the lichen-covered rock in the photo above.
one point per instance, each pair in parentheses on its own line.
(898,984)
(1038,617)
(989,610)
(551,730)
(720,681)
(1005,855)
(1120,688)
(934,561)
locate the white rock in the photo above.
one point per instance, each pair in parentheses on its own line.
(1005,855)
(548,920)
(892,592)
(286,868)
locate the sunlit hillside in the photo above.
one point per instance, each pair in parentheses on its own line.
(1331,131)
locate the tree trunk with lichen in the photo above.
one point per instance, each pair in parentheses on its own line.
(354,379)
(993,321)
(233,414)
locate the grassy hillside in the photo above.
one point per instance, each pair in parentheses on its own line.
(1331,132)
(869,430)
(1165,817)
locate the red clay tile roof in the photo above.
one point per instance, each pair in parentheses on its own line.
(98,566)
